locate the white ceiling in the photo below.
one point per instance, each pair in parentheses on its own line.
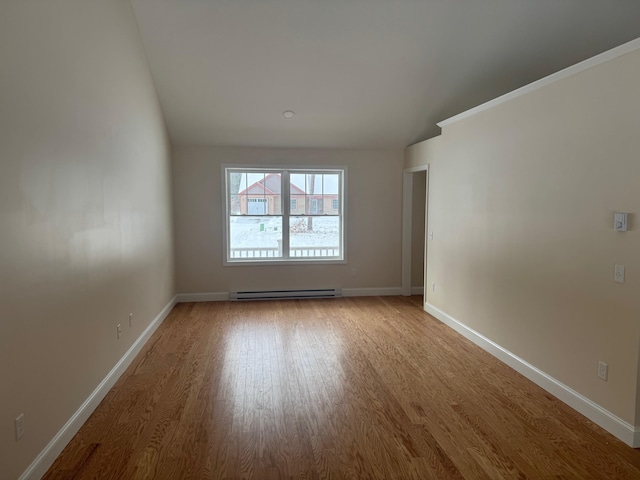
(358,73)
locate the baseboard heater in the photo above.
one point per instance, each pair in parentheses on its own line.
(286,294)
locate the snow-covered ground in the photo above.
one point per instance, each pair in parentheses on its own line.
(264,232)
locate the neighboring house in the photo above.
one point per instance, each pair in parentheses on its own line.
(263,198)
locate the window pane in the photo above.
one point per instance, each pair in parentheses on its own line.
(235,204)
(297,204)
(311,236)
(255,237)
(315,183)
(331,184)
(298,183)
(314,205)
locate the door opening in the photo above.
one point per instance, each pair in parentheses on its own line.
(414,221)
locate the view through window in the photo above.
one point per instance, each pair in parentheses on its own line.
(284,214)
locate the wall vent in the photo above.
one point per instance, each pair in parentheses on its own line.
(286,294)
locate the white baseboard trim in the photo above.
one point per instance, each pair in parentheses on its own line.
(417,290)
(202,297)
(45,459)
(371,292)
(594,412)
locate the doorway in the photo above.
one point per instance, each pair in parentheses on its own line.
(414,222)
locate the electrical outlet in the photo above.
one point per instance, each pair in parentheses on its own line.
(131,319)
(603,371)
(618,275)
(433,286)
(354,272)
(118,331)
(19,426)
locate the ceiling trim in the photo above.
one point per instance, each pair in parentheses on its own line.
(543,82)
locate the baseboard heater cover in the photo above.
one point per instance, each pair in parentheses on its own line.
(286,294)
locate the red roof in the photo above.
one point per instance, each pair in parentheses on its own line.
(270,185)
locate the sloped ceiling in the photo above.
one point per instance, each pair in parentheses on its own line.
(357,73)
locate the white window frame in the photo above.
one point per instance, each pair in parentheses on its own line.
(285,172)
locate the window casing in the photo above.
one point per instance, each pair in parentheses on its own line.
(284,215)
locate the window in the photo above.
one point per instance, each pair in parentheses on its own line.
(283,215)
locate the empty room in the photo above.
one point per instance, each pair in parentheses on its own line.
(300,239)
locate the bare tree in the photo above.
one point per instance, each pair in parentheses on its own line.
(234,189)
(312,187)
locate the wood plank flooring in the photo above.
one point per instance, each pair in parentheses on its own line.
(351,388)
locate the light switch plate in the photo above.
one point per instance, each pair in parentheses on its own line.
(620,222)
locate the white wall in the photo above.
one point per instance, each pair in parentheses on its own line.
(85,209)
(522,197)
(374,203)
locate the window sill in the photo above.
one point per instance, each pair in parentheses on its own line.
(283,262)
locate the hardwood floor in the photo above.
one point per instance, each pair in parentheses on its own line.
(351,388)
